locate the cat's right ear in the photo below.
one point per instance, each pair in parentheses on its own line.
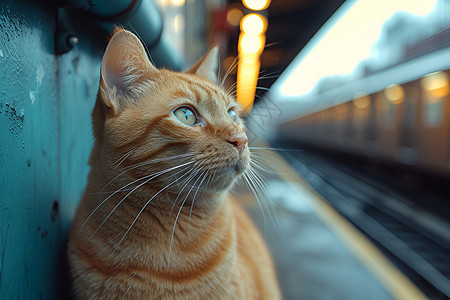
(125,70)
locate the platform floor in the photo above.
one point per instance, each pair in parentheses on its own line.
(317,253)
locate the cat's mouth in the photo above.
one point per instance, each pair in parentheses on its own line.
(235,169)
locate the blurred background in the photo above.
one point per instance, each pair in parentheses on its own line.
(347,105)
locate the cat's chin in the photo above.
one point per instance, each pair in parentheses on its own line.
(226,177)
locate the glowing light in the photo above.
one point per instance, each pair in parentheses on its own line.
(234,16)
(247,78)
(361,101)
(394,93)
(254,24)
(256,4)
(346,39)
(436,84)
(178,23)
(251,43)
(178,3)
(250,46)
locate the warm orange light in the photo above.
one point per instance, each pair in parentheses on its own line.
(436,84)
(251,44)
(247,78)
(254,24)
(178,3)
(256,4)
(361,100)
(394,93)
(234,16)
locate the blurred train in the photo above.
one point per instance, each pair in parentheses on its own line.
(378,89)
(398,115)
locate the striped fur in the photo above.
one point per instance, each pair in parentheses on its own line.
(156,221)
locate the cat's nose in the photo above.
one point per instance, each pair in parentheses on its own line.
(238,141)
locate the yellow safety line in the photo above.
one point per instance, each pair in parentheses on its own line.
(399,286)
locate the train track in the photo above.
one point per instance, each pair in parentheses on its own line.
(403,226)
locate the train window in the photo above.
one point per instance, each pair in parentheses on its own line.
(341,112)
(361,110)
(435,89)
(394,93)
(388,104)
(433,112)
(384,111)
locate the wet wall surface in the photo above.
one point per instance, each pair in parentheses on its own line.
(45,141)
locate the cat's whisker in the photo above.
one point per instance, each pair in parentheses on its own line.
(185,184)
(273,44)
(233,86)
(261,161)
(218,71)
(123,157)
(178,215)
(147,162)
(273,149)
(251,187)
(233,66)
(265,199)
(129,189)
(230,69)
(275,219)
(261,164)
(117,205)
(106,199)
(258,165)
(205,173)
(230,89)
(138,215)
(126,292)
(146,181)
(261,183)
(232,190)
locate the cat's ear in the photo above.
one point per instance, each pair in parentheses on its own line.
(207,66)
(125,69)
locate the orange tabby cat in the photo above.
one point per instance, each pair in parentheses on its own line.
(156,221)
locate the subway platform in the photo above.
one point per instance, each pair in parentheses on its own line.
(318,253)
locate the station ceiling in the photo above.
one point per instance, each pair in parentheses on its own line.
(292,23)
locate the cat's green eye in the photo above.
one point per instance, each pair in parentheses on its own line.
(233,116)
(186,115)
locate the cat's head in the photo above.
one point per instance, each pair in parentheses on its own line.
(180,128)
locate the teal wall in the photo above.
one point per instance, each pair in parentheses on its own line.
(45,141)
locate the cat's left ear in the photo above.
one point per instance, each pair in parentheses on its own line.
(125,69)
(207,66)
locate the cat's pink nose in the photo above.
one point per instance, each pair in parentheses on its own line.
(238,141)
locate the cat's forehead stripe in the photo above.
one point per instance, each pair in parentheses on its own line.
(194,87)
(198,97)
(181,94)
